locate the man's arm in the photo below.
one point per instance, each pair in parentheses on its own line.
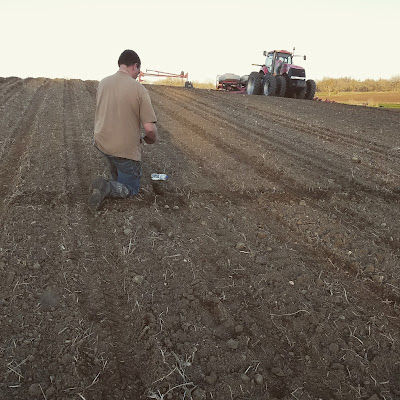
(151,132)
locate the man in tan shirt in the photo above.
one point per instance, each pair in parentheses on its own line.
(122,104)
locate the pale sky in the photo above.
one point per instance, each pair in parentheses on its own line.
(83,38)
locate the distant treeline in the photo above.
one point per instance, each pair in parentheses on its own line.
(332,85)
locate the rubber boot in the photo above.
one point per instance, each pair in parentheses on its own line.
(119,190)
(101,188)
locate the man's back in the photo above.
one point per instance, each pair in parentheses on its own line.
(122,104)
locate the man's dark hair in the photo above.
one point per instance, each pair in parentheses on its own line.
(128,58)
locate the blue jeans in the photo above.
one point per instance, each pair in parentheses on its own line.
(125,176)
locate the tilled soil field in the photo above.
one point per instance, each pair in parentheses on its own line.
(266,267)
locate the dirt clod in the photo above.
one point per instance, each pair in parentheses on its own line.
(232,344)
(34,390)
(240,246)
(259,379)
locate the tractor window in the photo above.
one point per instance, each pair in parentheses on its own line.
(285,58)
(280,59)
(268,61)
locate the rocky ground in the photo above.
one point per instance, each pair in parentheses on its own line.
(267,267)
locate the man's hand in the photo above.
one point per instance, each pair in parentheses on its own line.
(148,140)
(151,132)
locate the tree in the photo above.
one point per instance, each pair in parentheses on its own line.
(331,85)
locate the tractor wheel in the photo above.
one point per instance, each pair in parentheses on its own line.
(282,85)
(254,83)
(301,94)
(244,79)
(290,93)
(311,88)
(270,85)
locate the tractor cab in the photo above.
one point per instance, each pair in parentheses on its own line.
(275,59)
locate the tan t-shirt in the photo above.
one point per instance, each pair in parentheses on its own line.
(122,104)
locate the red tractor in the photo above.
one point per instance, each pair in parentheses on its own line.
(280,77)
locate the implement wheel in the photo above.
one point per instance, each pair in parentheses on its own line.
(254,84)
(270,85)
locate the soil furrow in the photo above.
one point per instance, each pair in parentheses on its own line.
(73,163)
(310,156)
(20,136)
(14,112)
(324,155)
(276,113)
(10,91)
(102,298)
(260,167)
(287,110)
(7,84)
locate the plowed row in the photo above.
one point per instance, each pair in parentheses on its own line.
(267,269)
